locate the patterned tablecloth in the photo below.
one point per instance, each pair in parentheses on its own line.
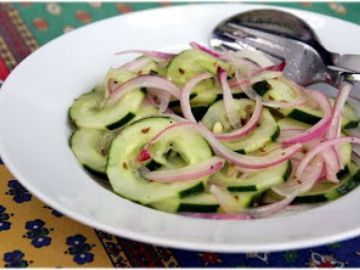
(33,234)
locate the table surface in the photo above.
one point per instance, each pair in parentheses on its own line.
(34,235)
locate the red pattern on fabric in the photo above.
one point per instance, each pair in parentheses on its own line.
(12,37)
(4,71)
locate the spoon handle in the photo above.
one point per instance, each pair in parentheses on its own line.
(348,61)
(336,76)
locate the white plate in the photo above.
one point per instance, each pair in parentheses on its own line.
(34,135)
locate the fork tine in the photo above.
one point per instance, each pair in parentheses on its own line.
(276,46)
(248,44)
(231,39)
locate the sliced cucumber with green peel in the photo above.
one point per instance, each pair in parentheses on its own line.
(303,114)
(152,68)
(90,111)
(280,91)
(258,181)
(288,123)
(350,119)
(90,147)
(266,132)
(204,203)
(190,63)
(327,191)
(117,77)
(123,171)
(311,116)
(216,113)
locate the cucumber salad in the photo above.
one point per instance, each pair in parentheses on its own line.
(219,135)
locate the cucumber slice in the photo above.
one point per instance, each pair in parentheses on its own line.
(280,91)
(123,172)
(152,68)
(145,110)
(88,110)
(216,113)
(188,64)
(344,149)
(191,62)
(90,147)
(203,202)
(350,119)
(288,123)
(265,133)
(258,181)
(118,76)
(327,191)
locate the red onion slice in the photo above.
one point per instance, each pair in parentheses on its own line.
(229,102)
(289,133)
(335,131)
(226,200)
(321,147)
(148,81)
(136,65)
(188,173)
(247,128)
(163,98)
(185,95)
(157,56)
(245,161)
(219,216)
(245,85)
(335,124)
(283,105)
(331,164)
(319,128)
(239,63)
(277,67)
(296,186)
(268,210)
(229,204)
(204,49)
(257,57)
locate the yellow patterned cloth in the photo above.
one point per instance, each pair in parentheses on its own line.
(33,234)
(49,233)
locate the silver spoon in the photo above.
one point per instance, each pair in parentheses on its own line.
(283,36)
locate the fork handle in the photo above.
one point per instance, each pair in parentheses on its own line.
(347,61)
(335,75)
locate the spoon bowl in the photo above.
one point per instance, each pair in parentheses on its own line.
(283,36)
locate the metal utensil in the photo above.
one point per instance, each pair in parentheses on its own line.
(282,36)
(287,25)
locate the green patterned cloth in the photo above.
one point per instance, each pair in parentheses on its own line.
(47,21)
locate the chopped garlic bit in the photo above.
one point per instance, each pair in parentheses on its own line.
(218,128)
(231,170)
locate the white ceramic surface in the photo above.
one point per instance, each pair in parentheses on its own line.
(34,134)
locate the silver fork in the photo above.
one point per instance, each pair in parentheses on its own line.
(304,65)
